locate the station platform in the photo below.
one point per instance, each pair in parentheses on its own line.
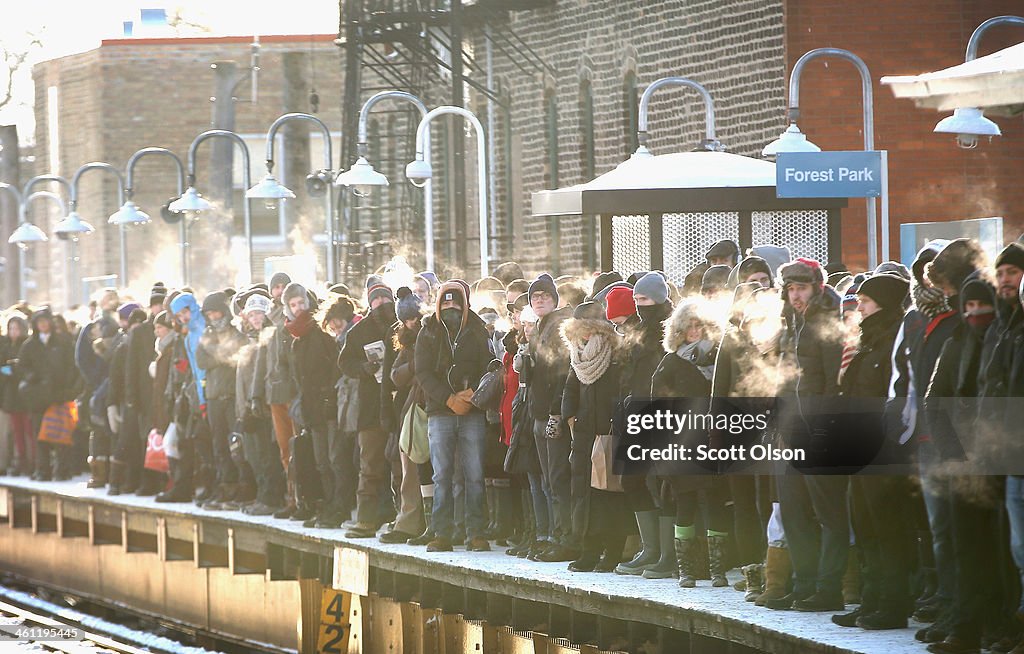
(235,575)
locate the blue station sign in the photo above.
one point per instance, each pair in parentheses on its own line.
(856,174)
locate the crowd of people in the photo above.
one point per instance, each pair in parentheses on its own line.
(449,414)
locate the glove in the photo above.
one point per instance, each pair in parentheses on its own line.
(181,365)
(459,403)
(114,417)
(202,411)
(370,368)
(554,427)
(257,409)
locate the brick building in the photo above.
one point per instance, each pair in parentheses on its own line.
(107,103)
(603,53)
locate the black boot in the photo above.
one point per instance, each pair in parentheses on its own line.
(117,471)
(428,532)
(716,560)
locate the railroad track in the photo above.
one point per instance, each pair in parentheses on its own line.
(22,626)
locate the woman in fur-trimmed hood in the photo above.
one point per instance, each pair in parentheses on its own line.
(690,344)
(588,404)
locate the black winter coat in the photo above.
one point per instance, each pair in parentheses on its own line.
(644,353)
(445,365)
(314,356)
(217,354)
(352,360)
(813,342)
(550,359)
(47,371)
(9,399)
(593,405)
(141,351)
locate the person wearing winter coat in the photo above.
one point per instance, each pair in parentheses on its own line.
(279,389)
(257,430)
(373,425)
(643,335)
(550,367)
(401,369)
(46,367)
(314,353)
(217,355)
(451,356)
(878,506)
(968,497)
(340,315)
(15,335)
(130,443)
(812,352)
(196,465)
(686,371)
(589,401)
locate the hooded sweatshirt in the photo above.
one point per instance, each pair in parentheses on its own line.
(450,360)
(196,326)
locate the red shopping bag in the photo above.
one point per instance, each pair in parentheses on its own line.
(59,424)
(156,457)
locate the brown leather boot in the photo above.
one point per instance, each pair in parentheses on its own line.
(777,570)
(97,472)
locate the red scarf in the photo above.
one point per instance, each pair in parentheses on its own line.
(301,325)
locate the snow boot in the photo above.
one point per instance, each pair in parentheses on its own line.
(650,545)
(778,568)
(665,568)
(716,559)
(97,472)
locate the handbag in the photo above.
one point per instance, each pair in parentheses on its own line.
(59,422)
(602,458)
(521,457)
(490,389)
(156,453)
(413,439)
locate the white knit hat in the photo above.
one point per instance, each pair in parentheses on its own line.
(257,302)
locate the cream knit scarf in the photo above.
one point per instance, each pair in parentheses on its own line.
(591,360)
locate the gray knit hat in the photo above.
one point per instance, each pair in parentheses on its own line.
(293,290)
(652,285)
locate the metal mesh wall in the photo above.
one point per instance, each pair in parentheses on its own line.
(688,236)
(630,244)
(805,232)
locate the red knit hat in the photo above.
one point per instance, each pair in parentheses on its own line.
(619,302)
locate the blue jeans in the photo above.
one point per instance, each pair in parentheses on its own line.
(1015,510)
(935,489)
(462,436)
(815,516)
(554,465)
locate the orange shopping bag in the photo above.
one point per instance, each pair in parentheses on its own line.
(59,423)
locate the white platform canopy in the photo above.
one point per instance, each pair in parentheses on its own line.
(665,173)
(994,83)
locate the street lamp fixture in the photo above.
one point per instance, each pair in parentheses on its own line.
(272,191)
(26,234)
(72,227)
(711,142)
(419,170)
(73,205)
(129,214)
(192,203)
(791,138)
(362,178)
(968,123)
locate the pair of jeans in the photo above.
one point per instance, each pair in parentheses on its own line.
(580,463)
(816,518)
(463,436)
(539,495)
(879,511)
(554,465)
(262,454)
(937,494)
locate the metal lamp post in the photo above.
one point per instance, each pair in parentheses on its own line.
(362,178)
(968,123)
(27,233)
(792,140)
(73,204)
(270,189)
(129,213)
(711,141)
(192,202)
(420,171)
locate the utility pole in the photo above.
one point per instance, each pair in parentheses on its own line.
(10,173)
(458,140)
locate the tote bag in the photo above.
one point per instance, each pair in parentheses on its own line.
(603,457)
(59,423)
(413,438)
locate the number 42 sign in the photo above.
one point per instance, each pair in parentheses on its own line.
(335,622)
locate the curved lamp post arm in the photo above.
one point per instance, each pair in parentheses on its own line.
(246,177)
(48,195)
(364,113)
(711,141)
(865,80)
(328,165)
(96,165)
(13,190)
(48,177)
(180,187)
(134,159)
(423,147)
(975,40)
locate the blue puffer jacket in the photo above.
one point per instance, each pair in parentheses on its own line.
(196,327)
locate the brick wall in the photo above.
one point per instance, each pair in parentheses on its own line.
(930,178)
(733,47)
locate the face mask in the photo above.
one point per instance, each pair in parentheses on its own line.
(452,318)
(980,321)
(651,313)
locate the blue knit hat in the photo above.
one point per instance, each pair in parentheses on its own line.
(409,306)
